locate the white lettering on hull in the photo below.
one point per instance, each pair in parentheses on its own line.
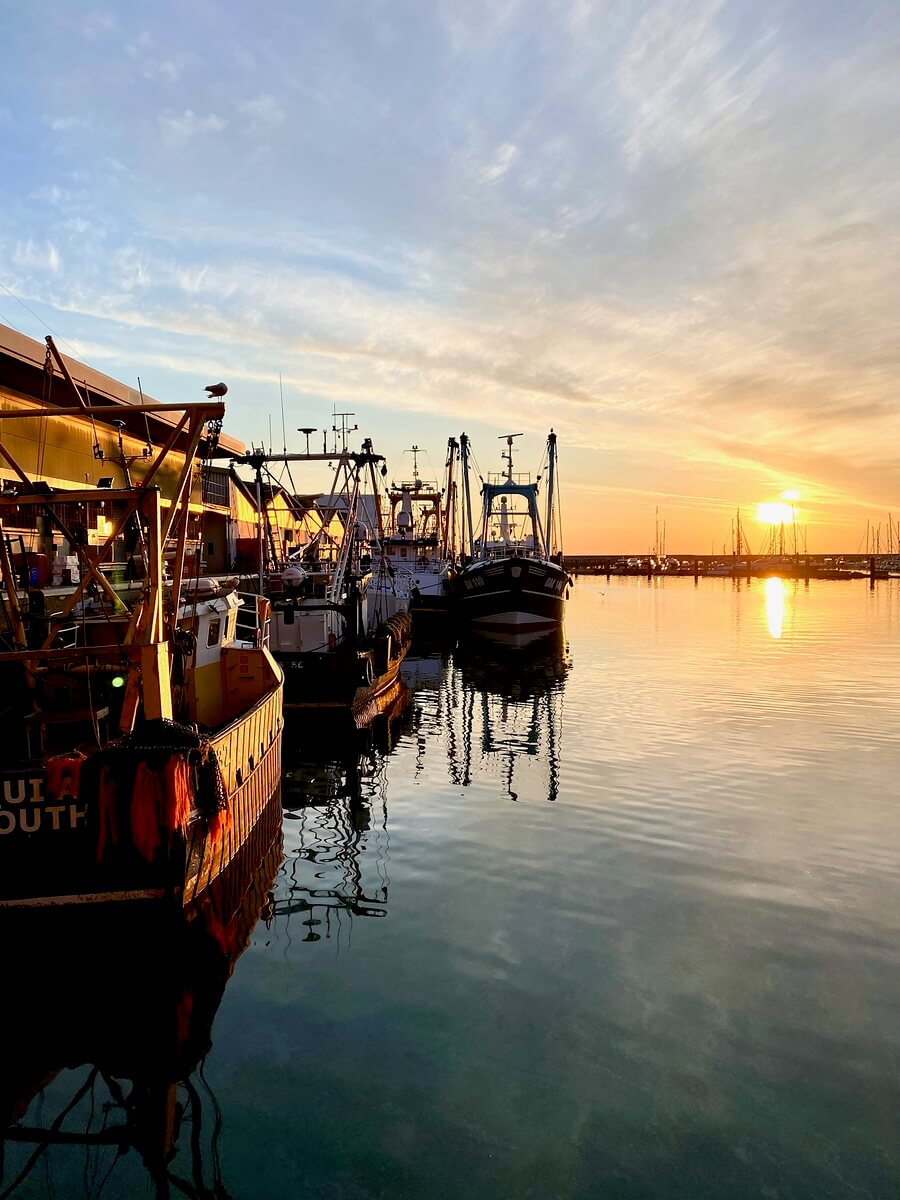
(30,819)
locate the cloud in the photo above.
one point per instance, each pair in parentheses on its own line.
(64,124)
(263,111)
(97,24)
(169,69)
(180,128)
(139,45)
(504,158)
(37,257)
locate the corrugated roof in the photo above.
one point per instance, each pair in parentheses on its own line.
(26,350)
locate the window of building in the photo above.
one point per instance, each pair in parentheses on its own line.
(215,488)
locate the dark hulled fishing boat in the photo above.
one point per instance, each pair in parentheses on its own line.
(513,580)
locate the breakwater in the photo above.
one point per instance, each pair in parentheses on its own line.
(798,566)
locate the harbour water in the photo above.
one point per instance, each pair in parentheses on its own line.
(616,917)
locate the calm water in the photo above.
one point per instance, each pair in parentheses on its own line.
(620,919)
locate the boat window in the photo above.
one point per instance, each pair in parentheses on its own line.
(215,629)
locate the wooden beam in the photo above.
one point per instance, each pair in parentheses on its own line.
(82,402)
(213,411)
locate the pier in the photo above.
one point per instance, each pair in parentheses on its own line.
(799,566)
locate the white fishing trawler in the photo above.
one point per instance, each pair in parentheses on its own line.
(412,563)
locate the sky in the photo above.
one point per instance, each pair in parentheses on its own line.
(667,229)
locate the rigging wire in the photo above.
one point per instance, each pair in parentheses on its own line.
(11,325)
(58,336)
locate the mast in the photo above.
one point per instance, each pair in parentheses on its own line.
(449,521)
(260,544)
(464,467)
(551,485)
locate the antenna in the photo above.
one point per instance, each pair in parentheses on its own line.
(307,430)
(283,430)
(508,456)
(344,428)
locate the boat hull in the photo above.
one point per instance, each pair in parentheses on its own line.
(323,686)
(350,681)
(512,595)
(167,968)
(77,848)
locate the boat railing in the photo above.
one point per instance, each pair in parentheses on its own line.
(253,620)
(510,550)
(498,478)
(416,488)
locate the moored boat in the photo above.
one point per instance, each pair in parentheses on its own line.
(412,563)
(513,579)
(339,654)
(142,744)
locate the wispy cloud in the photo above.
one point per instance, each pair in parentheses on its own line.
(36,256)
(98,24)
(263,111)
(181,128)
(502,161)
(64,124)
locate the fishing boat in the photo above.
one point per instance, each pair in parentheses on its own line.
(339,654)
(142,741)
(412,563)
(512,581)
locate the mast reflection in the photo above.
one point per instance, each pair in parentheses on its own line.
(114,1024)
(336,825)
(493,703)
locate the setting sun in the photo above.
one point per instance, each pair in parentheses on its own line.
(775,512)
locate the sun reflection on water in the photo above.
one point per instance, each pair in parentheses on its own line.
(775,593)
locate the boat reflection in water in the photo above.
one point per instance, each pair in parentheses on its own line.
(334,794)
(104,1074)
(493,702)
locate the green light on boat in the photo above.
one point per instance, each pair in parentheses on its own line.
(118,681)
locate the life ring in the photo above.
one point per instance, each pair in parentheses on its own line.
(367,673)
